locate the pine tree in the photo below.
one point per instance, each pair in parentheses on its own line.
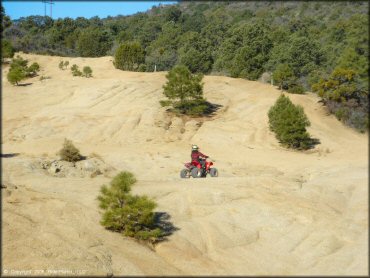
(125,213)
(15,75)
(289,123)
(185,91)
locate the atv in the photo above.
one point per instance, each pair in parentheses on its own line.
(196,170)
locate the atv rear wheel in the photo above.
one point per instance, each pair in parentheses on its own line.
(185,174)
(196,172)
(213,172)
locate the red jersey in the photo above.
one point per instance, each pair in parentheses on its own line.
(195,156)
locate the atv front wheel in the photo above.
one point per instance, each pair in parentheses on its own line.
(185,174)
(196,172)
(213,172)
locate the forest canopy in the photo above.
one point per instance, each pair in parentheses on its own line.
(301,43)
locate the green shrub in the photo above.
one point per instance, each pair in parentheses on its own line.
(282,74)
(61,65)
(129,56)
(76,71)
(345,97)
(69,152)
(142,68)
(33,69)
(295,89)
(15,75)
(7,49)
(128,214)
(342,113)
(19,62)
(165,103)
(87,71)
(289,123)
(19,70)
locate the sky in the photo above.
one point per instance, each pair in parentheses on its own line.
(73,9)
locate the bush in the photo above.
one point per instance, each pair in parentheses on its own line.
(87,71)
(33,69)
(185,91)
(345,97)
(129,56)
(282,75)
(69,152)
(7,49)
(93,42)
(16,75)
(61,65)
(75,70)
(295,89)
(142,68)
(128,214)
(289,123)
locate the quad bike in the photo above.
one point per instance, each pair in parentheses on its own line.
(196,170)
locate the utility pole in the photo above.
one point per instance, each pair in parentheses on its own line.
(50,2)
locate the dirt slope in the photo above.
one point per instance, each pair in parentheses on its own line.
(272,211)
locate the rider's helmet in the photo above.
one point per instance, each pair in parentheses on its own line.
(194,148)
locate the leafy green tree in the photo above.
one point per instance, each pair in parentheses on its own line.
(128,214)
(195,53)
(124,36)
(19,62)
(87,71)
(19,70)
(245,52)
(15,75)
(5,20)
(66,63)
(161,59)
(344,96)
(69,152)
(282,75)
(185,91)
(93,42)
(129,56)
(7,49)
(341,86)
(289,123)
(172,13)
(250,58)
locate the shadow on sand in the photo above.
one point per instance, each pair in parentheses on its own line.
(24,84)
(9,155)
(162,220)
(312,142)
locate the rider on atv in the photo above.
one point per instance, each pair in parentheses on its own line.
(196,155)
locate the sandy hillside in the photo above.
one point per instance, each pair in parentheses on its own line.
(271,211)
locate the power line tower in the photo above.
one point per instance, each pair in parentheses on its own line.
(50,2)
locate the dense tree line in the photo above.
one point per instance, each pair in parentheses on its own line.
(299,43)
